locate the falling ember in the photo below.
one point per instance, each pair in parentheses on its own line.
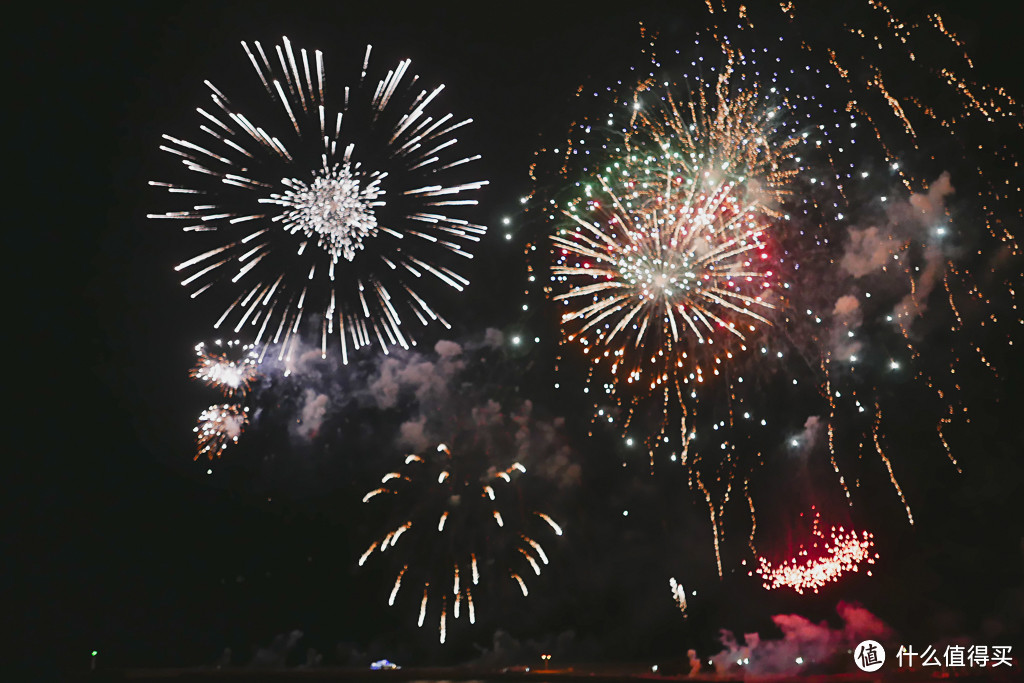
(536,546)
(366,554)
(533,562)
(397,586)
(888,465)
(522,584)
(678,594)
(345,214)
(371,494)
(551,523)
(715,524)
(829,558)
(423,605)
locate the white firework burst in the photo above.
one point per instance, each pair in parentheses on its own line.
(346,220)
(229,366)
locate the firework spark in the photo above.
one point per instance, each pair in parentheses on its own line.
(218,427)
(463,527)
(678,594)
(828,559)
(344,218)
(230,368)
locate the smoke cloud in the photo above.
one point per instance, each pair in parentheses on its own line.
(803,645)
(311,415)
(846,318)
(912,233)
(868,250)
(428,380)
(440,395)
(424,397)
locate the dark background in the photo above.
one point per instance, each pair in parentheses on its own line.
(113,542)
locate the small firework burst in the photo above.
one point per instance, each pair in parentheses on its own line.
(826,560)
(229,367)
(219,426)
(461,526)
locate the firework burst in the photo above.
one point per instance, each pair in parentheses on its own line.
(219,426)
(462,526)
(747,227)
(827,560)
(666,270)
(343,217)
(673,263)
(230,367)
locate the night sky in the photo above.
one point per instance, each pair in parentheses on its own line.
(116,541)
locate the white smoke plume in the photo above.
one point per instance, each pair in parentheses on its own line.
(416,399)
(428,380)
(846,319)
(868,250)
(809,436)
(311,416)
